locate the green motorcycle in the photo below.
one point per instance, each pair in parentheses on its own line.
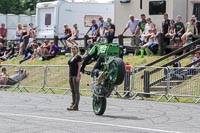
(107,73)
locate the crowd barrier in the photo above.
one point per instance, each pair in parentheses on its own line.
(139,81)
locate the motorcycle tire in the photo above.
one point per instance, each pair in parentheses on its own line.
(119,70)
(99,105)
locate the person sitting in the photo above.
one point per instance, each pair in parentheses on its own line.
(179,30)
(152,41)
(191,29)
(52,52)
(145,35)
(68,34)
(2,49)
(3,76)
(9,51)
(29,51)
(75,34)
(45,47)
(88,48)
(171,32)
(94,31)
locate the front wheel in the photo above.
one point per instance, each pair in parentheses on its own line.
(99,105)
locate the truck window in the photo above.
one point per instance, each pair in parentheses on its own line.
(89,18)
(48,19)
(157,7)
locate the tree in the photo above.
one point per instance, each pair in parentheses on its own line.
(19,6)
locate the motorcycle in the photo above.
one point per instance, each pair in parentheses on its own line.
(106,79)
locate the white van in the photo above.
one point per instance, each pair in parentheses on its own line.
(51,16)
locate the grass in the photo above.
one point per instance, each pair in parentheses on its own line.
(61,73)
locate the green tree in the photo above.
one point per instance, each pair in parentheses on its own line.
(19,6)
(10,6)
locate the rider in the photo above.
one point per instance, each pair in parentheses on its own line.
(96,53)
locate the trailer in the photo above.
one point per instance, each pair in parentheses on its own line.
(155,10)
(51,16)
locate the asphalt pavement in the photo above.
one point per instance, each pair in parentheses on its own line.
(46,113)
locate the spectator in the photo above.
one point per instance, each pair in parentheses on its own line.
(75,34)
(3,76)
(197,22)
(31,35)
(9,51)
(132,24)
(165,28)
(88,48)
(191,29)
(109,31)
(177,63)
(29,51)
(37,52)
(170,32)
(24,39)
(101,26)
(2,49)
(18,34)
(94,30)
(52,52)
(45,47)
(145,35)
(3,33)
(152,42)
(196,57)
(74,78)
(178,29)
(68,34)
(141,25)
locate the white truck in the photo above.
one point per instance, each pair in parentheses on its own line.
(51,16)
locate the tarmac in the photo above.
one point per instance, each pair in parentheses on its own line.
(46,113)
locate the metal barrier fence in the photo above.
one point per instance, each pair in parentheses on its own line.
(150,80)
(140,81)
(185,82)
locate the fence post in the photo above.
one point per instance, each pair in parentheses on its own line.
(160,44)
(127,80)
(86,37)
(56,40)
(146,83)
(120,40)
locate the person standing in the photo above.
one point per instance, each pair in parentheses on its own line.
(109,30)
(3,33)
(165,28)
(74,77)
(132,24)
(141,24)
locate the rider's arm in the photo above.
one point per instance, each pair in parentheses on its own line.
(89,57)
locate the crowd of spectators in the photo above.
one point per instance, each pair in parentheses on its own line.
(145,32)
(145,35)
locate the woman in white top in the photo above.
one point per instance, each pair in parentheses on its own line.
(152,41)
(75,34)
(145,35)
(18,34)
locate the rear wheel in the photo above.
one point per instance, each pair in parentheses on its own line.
(99,105)
(117,71)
